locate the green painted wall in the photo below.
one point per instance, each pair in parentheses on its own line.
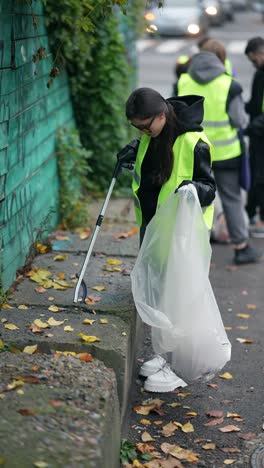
(30,115)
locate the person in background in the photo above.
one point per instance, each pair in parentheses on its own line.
(227,62)
(223,115)
(181,66)
(173,151)
(255,130)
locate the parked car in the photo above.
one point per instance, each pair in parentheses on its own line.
(228,9)
(177,18)
(241,4)
(214,11)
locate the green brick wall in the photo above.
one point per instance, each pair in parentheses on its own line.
(30,115)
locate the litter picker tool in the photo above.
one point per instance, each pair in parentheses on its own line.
(125,158)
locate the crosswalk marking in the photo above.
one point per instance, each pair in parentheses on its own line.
(173,46)
(169,47)
(236,47)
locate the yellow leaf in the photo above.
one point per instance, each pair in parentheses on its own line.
(99,288)
(244,340)
(228,461)
(2,395)
(20,391)
(47,284)
(137,464)
(88,321)
(15,384)
(2,344)
(226,375)
(103,321)
(50,298)
(60,284)
(183,395)
(54,308)
(146,422)
(209,446)
(42,248)
(4,320)
(233,415)
(68,328)
(7,306)
(242,327)
(113,261)
(65,353)
(244,316)
(158,423)
(11,326)
(54,323)
(23,307)
(174,405)
(40,464)
(60,258)
(41,324)
(88,339)
(61,275)
(188,427)
(191,413)
(30,349)
(85,233)
(39,275)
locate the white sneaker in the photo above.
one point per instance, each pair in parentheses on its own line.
(165,380)
(152,366)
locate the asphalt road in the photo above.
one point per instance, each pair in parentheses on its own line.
(156,57)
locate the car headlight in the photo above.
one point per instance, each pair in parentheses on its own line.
(211,10)
(151,28)
(193,29)
(150,16)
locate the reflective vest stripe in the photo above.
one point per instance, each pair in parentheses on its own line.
(217,126)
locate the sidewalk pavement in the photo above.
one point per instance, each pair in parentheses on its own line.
(67,411)
(73,417)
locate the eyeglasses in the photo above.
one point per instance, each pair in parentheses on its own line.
(145,128)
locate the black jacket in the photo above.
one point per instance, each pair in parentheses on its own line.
(255,130)
(189,112)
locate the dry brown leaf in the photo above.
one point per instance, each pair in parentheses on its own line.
(215,414)
(40,289)
(188,427)
(183,395)
(144,409)
(244,340)
(146,422)
(226,375)
(229,428)
(251,306)
(166,447)
(145,448)
(233,415)
(26,412)
(230,450)
(169,429)
(212,385)
(158,423)
(124,235)
(247,436)
(91,300)
(99,288)
(146,437)
(228,461)
(214,422)
(209,446)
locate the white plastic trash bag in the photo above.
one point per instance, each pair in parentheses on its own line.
(172,291)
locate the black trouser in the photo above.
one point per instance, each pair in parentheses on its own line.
(142,231)
(256,199)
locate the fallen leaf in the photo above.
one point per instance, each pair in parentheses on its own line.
(209,446)
(124,235)
(88,321)
(68,328)
(233,415)
(169,429)
(244,316)
(6,306)
(61,237)
(40,289)
(113,261)
(228,461)
(212,385)
(50,298)
(20,391)
(230,449)
(226,375)
(103,321)
(85,234)
(2,344)
(26,412)
(27,379)
(229,428)
(214,422)
(166,447)
(61,275)
(86,357)
(88,339)
(146,422)
(158,423)
(191,414)
(23,307)
(14,384)
(188,427)
(40,324)
(251,306)
(53,308)
(91,300)
(64,353)
(30,349)
(228,328)
(54,323)
(144,409)
(35,368)
(40,464)
(4,320)
(215,414)
(242,327)
(146,437)
(11,326)
(56,403)
(60,258)
(247,436)
(145,448)
(244,340)
(174,405)
(183,395)
(42,248)
(99,288)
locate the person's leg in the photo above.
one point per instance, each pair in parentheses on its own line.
(227,182)
(251,206)
(258,230)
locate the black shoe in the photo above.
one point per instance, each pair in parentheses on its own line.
(247,255)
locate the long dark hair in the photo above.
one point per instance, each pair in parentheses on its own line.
(144,103)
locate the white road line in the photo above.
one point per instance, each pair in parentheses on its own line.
(169,47)
(143,44)
(236,47)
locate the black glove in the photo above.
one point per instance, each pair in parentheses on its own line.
(128,154)
(184,182)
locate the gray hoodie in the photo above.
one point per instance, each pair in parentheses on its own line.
(205,67)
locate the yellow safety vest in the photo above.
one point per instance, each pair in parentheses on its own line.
(183,152)
(216,123)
